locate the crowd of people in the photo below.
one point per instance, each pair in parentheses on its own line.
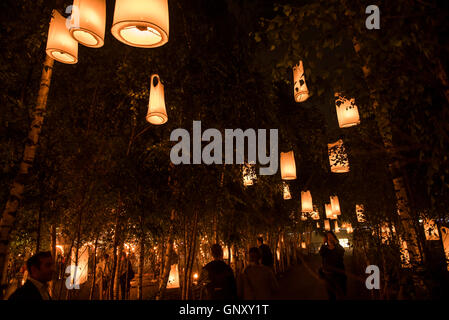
(257,281)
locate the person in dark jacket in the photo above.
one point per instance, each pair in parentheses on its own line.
(217,278)
(41,268)
(333,268)
(265,252)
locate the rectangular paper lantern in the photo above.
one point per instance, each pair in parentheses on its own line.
(288,166)
(327,225)
(306,201)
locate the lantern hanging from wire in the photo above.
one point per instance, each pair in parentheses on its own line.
(88,22)
(338,159)
(335,205)
(301,92)
(327,225)
(141,23)
(288,166)
(287,194)
(156,107)
(347,111)
(359,210)
(60,44)
(249,174)
(306,201)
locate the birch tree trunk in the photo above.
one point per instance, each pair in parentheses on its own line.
(16,192)
(404,210)
(163,279)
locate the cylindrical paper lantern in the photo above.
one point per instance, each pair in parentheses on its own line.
(141,23)
(287,194)
(337,229)
(303,245)
(327,225)
(306,201)
(156,108)
(335,204)
(347,112)
(88,22)
(359,209)
(60,44)
(328,209)
(300,88)
(338,159)
(173,278)
(288,166)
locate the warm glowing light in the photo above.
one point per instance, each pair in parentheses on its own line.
(287,194)
(249,174)
(156,107)
(173,278)
(327,225)
(88,22)
(337,229)
(61,248)
(60,44)
(306,201)
(195,276)
(303,245)
(338,159)
(328,209)
(359,209)
(431,230)
(141,23)
(335,204)
(301,92)
(347,111)
(344,242)
(288,166)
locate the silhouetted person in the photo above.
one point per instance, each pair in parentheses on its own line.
(333,268)
(265,252)
(217,278)
(40,268)
(126,275)
(103,277)
(257,282)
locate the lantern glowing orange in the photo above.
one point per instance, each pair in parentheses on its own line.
(156,108)
(287,194)
(288,166)
(300,87)
(141,23)
(359,210)
(431,229)
(347,112)
(328,209)
(60,44)
(88,22)
(327,225)
(349,228)
(249,174)
(335,204)
(337,229)
(338,159)
(318,225)
(306,201)
(303,245)
(173,278)
(315,213)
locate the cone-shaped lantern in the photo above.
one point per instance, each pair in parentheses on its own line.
(306,201)
(359,209)
(300,87)
(347,112)
(156,107)
(327,225)
(60,44)
(287,194)
(88,22)
(338,159)
(328,209)
(141,23)
(288,166)
(335,204)
(249,174)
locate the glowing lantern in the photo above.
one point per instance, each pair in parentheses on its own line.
(315,213)
(141,23)
(318,225)
(337,229)
(195,276)
(431,230)
(287,194)
(338,159)
(288,166)
(335,204)
(359,209)
(328,209)
(405,255)
(386,232)
(60,44)
(249,174)
(173,278)
(300,89)
(306,201)
(327,225)
(156,107)
(347,112)
(303,216)
(225,253)
(349,228)
(303,245)
(445,239)
(278,254)
(88,22)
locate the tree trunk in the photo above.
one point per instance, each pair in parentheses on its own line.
(141,261)
(114,253)
(394,166)
(16,192)
(53,254)
(165,273)
(92,289)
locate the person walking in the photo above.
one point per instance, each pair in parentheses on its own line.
(41,268)
(126,275)
(217,278)
(257,282)
(333,268)
(265,252)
